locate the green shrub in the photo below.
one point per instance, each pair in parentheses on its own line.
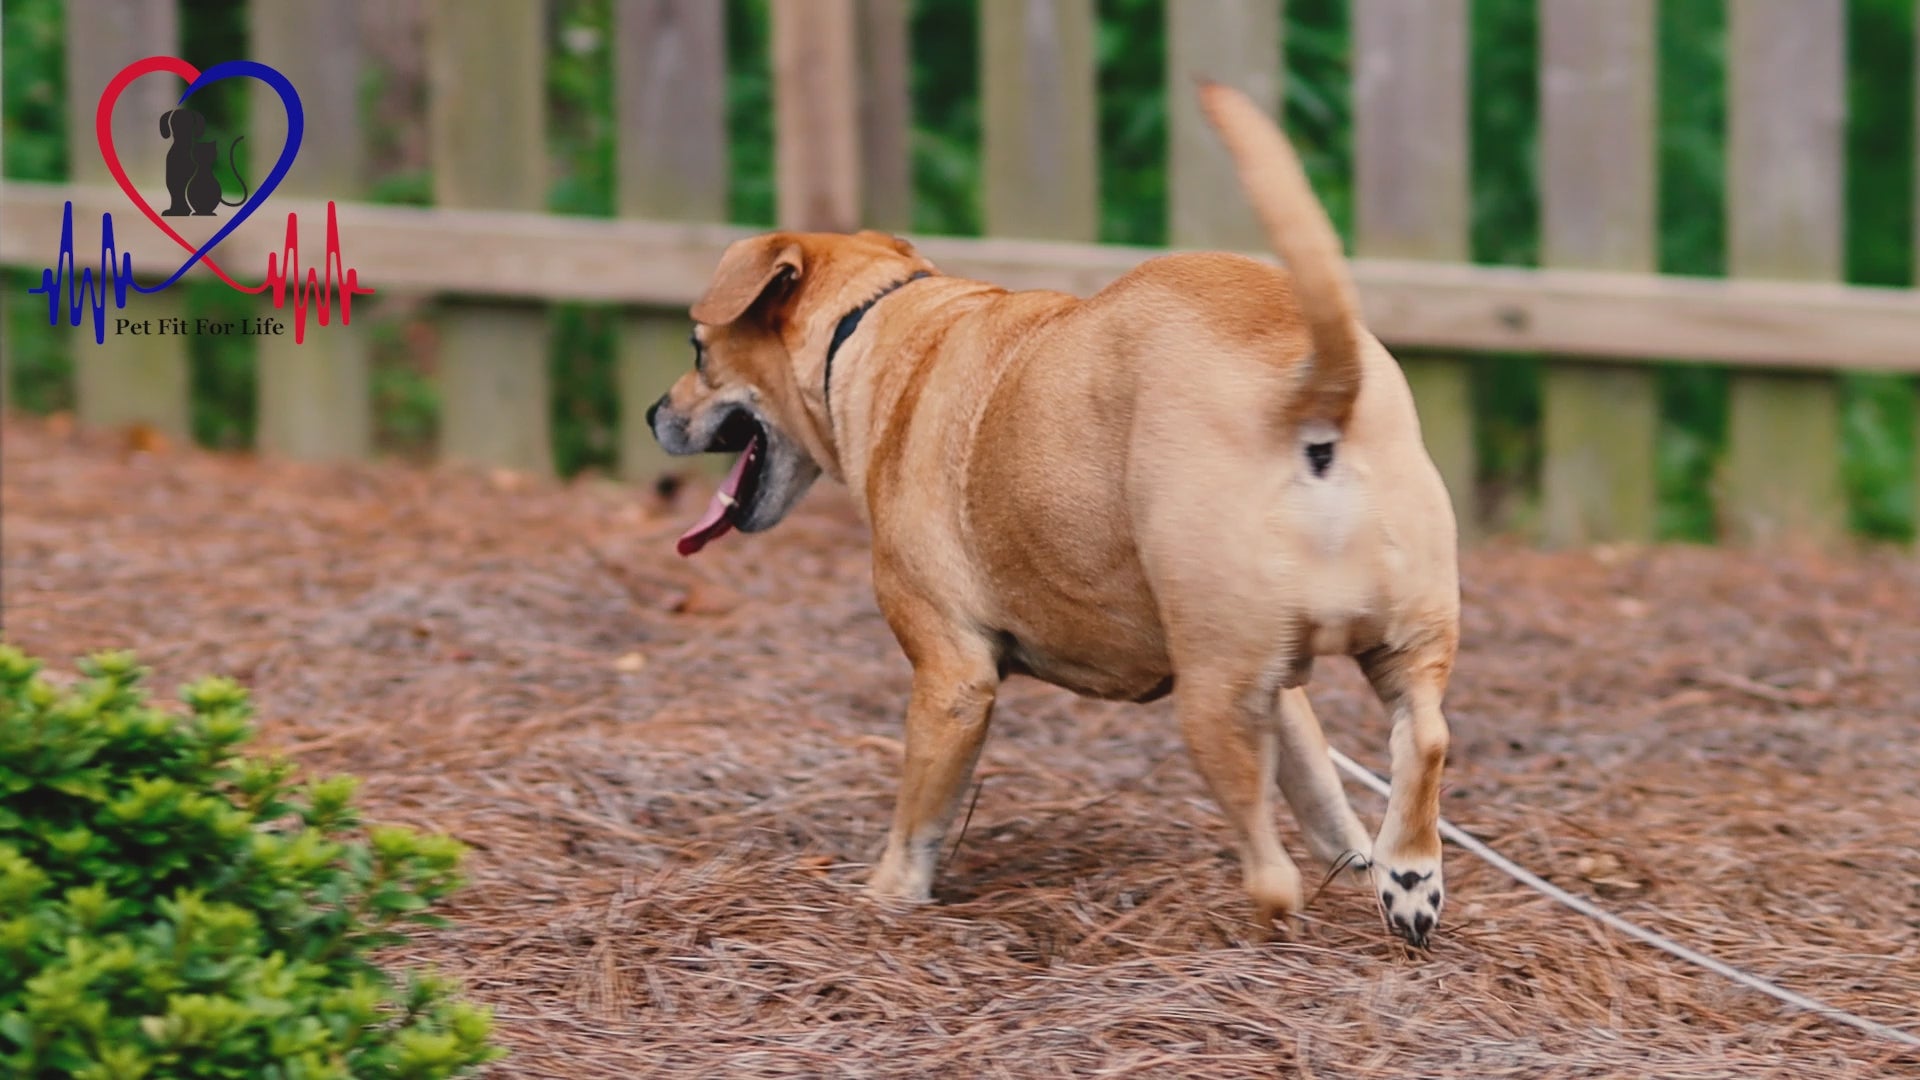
(169,908)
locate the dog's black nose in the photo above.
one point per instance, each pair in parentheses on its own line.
(654,408)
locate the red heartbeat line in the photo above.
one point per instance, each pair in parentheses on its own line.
(316,290)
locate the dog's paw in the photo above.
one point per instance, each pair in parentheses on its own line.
(1276,895)
(1410,896)
(893,883)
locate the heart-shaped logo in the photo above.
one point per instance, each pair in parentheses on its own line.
(196,80)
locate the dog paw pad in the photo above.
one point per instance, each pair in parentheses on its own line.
(1410,899)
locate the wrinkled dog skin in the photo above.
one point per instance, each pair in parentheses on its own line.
(1200,478)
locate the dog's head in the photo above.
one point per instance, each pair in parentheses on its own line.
(182,125)
(757,388)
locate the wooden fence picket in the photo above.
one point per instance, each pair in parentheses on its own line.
(1598,182)
(816,90)
(1786,101)
(886,113)
(1236,42)
(670,112)
(131,378)
(1410,142)
(1040,162)
(315,398)
(488,95)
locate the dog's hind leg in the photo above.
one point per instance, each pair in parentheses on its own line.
(1312,787)
(1235,748)
(946,726)
(1406,854)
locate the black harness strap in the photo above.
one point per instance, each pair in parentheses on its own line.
(848,324)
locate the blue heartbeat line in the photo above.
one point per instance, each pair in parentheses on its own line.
(84,290)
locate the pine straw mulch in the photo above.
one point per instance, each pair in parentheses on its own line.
(673,772)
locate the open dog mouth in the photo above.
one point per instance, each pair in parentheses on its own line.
(734,500)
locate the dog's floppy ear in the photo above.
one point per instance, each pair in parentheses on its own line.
(748,269)
(898,243)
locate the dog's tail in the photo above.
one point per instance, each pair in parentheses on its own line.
(1298,229)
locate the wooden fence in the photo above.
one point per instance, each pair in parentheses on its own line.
(1782,320)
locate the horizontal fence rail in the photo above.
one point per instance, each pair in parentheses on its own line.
(1602,322)
(1409,303)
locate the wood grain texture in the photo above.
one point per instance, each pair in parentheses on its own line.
(1040,161)
(1412,304)
(102,37)
(495,399)
(128,379)
(886,111)
(486,61)
(1597,477)
(1410,189)
(1410,128)
(1236,42)
(670,111)
(1785,192)
(486,65)
(1598,74)
(816,115)
(314,397)
(1598,176)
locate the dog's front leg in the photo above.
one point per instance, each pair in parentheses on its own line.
(946,725)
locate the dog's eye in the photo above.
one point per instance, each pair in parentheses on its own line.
(699,354)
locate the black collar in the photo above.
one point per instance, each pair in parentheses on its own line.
(848,324)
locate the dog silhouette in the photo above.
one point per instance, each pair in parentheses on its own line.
(191,181)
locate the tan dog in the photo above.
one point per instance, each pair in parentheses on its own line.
(1200,478)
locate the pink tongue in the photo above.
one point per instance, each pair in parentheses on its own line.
(718,519)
